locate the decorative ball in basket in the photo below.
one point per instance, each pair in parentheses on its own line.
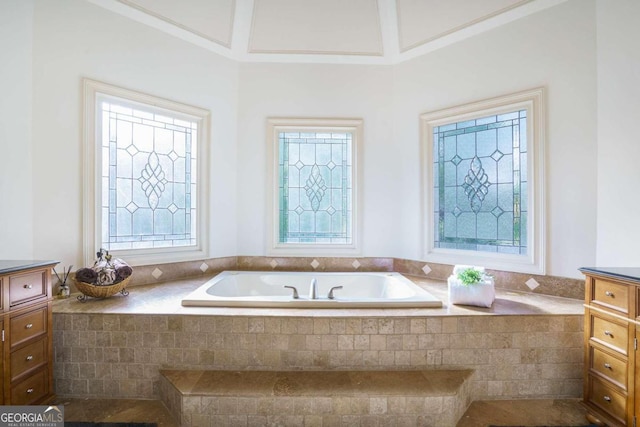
(107,277)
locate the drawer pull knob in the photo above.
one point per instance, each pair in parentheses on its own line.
(29,325)
(29,358)
(608,333)
(607,398)
(608,366)
(29,390)
(28,286)
(609,294)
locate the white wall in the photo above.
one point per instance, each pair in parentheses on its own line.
(16,206)
(555,49)
(618,136)
(308,90)
(75,39)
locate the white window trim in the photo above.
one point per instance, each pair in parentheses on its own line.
(534,261)
(92,191)
(276,125)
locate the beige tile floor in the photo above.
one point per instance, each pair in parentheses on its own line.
(546,412)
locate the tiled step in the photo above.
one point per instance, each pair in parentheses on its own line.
(316,398)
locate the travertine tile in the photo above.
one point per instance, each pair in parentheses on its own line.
(361,342)
(519,348)
(256,325)
(377,342)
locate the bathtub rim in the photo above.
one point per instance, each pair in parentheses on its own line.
(207,300)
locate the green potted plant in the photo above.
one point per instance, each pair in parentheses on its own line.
(470,285)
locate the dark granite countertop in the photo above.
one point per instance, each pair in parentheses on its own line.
(10,266)
(628,273)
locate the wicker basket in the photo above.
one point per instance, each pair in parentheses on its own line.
(89,290)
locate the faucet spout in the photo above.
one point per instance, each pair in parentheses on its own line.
(313,289)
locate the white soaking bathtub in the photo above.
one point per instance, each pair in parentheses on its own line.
(267,289)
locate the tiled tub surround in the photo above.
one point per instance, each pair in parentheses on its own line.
(548,285)
(525,346)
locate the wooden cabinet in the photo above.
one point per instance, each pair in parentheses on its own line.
(26,325)
(611,333)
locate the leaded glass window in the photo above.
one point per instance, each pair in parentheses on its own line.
(148,176)
(480,184)
(315,187)
(484,183)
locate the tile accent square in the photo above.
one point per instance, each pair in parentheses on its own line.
(156,273)
(355,264)
(532,283)
(204,267)
(426,269)
(273,263)
(315,264)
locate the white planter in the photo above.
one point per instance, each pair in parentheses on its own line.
(480,294)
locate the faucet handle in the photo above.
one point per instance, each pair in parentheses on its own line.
(335,288)
(295,291)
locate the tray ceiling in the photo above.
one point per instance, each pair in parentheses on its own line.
(353,31)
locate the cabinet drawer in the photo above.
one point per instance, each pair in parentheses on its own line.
(28,325)
(610,334)
(31,389)
(27,287)
(611,295)
(28,358)
(607,398)
(610,367)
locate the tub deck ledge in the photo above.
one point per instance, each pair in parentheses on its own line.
(165,298)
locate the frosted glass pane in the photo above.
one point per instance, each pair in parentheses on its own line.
(450,147)
(179,195)
(323,222)
(487,226)
(124,164)
(294,154)
(162,222)
(505,140)
(505,169)
(486,142)
(336,153)
(466,226)
(450,175)
(123,221)
(323,154)
(505,226)
(308,154)
(123,192)
(179,172)
(143,222)
(294,177)
(450,225)
(163,143)
(307,223)
(466,146)
(123,134)
(143,136)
